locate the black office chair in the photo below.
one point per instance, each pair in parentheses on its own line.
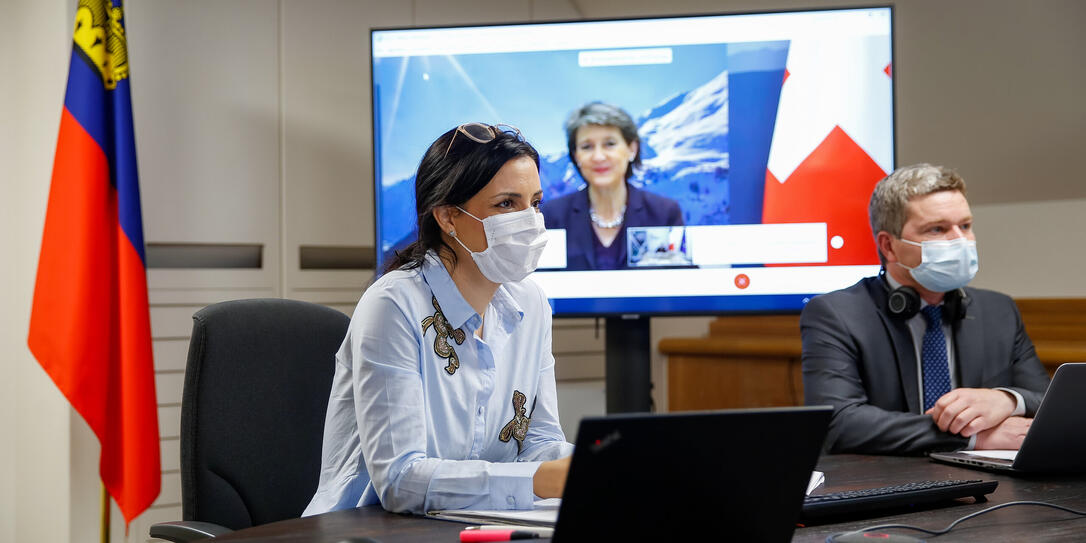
(252,414)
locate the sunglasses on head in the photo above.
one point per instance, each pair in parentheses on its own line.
(481,133)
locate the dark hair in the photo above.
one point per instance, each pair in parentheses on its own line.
(452,179)
(602,114)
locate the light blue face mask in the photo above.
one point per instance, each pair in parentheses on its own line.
(945,265)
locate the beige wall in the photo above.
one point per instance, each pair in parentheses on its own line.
(34,443)
(1032,249)
(238,94)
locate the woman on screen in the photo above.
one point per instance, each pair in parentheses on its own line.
(444,394)
(604,146)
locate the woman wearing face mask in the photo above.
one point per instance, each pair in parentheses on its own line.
(444,394)
(604,146)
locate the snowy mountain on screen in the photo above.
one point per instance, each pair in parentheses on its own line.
(684,154)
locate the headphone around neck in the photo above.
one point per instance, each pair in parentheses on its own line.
(904,302)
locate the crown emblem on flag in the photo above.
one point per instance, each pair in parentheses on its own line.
(99,34)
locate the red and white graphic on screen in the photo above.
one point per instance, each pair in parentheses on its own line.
(742,281)
(831,142)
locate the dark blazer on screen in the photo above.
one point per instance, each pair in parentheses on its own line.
(862,361)
(570,212)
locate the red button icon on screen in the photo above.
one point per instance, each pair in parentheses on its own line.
(742,281)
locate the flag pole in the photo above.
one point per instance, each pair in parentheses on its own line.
(105,514)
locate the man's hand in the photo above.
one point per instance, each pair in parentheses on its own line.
(966,411)
(550,479)
(1007,435)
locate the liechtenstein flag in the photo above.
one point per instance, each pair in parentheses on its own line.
(89,325)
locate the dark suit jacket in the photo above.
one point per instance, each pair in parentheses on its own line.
(862,361)
(571,213)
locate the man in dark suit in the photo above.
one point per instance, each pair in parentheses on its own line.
(913,360)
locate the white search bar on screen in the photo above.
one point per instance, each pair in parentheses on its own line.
(624,57)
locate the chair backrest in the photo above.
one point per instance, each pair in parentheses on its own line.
(252,414)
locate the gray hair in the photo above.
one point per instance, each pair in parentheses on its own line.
(887,207)
(602,114)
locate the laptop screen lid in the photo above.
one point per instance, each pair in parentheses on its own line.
(668,476)
(1056,441)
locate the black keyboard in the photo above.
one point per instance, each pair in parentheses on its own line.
(851,502)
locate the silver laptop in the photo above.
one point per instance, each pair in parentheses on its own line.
(1055,442)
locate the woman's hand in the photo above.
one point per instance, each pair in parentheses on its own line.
(550,478)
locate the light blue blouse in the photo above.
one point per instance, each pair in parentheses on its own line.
(424,415)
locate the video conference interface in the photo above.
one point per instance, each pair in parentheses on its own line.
(768,130)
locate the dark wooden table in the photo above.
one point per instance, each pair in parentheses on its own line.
(1017,523)
(843,472)
(371,521)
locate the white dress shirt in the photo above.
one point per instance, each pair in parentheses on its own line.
(419,402)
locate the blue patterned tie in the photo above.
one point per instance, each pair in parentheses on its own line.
(933,356)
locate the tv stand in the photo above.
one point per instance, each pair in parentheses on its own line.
(628,362)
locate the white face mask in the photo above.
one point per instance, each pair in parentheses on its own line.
(945,265)
(514,243)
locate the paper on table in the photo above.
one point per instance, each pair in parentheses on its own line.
(543,513)
(1000,454)
(817,478)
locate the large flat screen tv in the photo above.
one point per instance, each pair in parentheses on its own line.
(769,130)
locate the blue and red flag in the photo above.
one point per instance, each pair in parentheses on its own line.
(90,325)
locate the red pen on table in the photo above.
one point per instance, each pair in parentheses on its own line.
(474,535)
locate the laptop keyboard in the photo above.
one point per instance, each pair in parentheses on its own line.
(851,502)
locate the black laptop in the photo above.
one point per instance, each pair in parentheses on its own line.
(716,475)
(1055,442)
